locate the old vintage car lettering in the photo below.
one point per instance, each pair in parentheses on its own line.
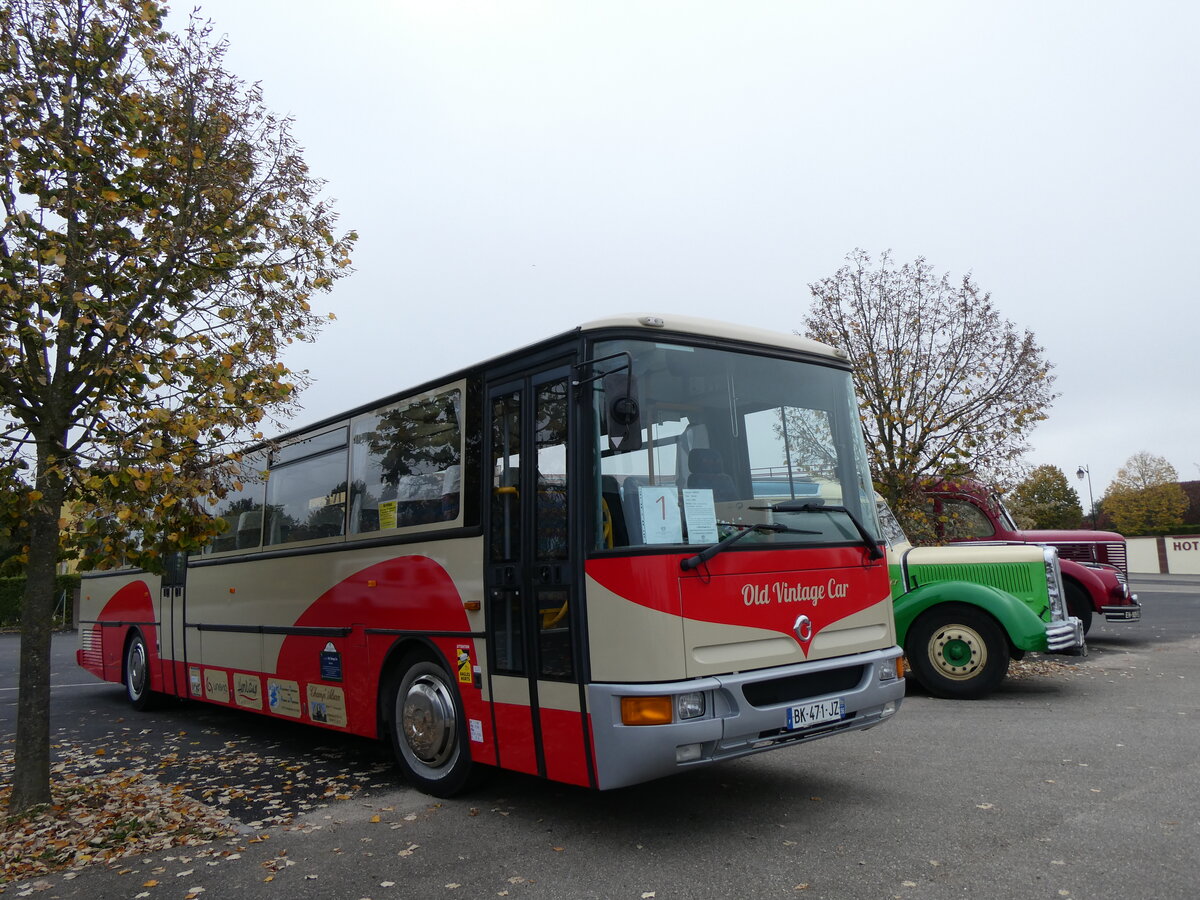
(781,592)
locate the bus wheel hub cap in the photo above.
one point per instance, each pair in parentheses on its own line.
(428,721)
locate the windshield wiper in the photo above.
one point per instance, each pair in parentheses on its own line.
(709,552)
(816,504)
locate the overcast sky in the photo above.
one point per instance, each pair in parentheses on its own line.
(517,168)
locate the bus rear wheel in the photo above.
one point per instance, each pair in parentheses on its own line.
(427,728)
(137,673)
(957,652)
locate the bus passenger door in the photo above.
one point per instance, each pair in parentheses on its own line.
(171,618)
(533,642)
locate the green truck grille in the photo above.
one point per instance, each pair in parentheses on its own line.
(1017,580)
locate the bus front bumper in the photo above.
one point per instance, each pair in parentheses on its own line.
(747,712)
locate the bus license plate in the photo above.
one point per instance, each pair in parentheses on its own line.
(811,714)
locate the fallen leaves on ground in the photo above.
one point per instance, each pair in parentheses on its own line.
(99,818)
(1040,667)
(1033,666)
(153,789)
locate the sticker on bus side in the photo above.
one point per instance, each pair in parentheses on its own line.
(283,697)
(247,690)
(195,682)
(327,705)
(463,655)
(216,685)
(331,663)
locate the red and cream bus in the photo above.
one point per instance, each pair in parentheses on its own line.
(556,562)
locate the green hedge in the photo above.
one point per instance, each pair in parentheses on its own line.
(11,590)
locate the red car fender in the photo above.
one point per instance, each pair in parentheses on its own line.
(1101,590)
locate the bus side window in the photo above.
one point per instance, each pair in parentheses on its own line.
(306,499)
(240,503)
(406,463)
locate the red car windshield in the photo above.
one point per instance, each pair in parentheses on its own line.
(1001,513)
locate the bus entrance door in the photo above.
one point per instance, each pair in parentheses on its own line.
(533,641)
(171,619)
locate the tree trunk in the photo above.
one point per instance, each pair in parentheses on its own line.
(31,775)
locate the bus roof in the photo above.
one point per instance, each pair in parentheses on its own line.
(649,323)
(714,328)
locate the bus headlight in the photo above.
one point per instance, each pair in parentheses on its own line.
(689,706)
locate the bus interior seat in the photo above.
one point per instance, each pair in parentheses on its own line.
(632,505)
(249,529)
(226,540)
(451,485)
(708,471)
(610,493)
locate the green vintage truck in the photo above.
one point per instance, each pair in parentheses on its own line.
(963,611)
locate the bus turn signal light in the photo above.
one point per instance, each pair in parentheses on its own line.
(646,710)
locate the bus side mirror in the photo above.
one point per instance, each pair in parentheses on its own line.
(623,413)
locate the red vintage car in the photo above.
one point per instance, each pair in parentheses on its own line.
(1094,563)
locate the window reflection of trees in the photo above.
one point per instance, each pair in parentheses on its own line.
(808,441)
(551,438)
(407,464)
(306,500)
(240,510)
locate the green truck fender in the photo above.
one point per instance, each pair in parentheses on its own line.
(1025,630)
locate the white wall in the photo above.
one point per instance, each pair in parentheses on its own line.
(1143,554)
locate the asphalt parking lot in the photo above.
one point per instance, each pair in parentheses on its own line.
(1078,783)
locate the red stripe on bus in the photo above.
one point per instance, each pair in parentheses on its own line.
(562,742)
(514,737)
(413,593)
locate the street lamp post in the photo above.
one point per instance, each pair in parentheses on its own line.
(1080,473)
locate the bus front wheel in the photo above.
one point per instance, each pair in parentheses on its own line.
(137,673)
(427,728)
(957,652)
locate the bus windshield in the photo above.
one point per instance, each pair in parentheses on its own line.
(718,440)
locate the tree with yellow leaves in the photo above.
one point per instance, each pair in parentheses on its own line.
(947,385)
(161,243)
(1145,496)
